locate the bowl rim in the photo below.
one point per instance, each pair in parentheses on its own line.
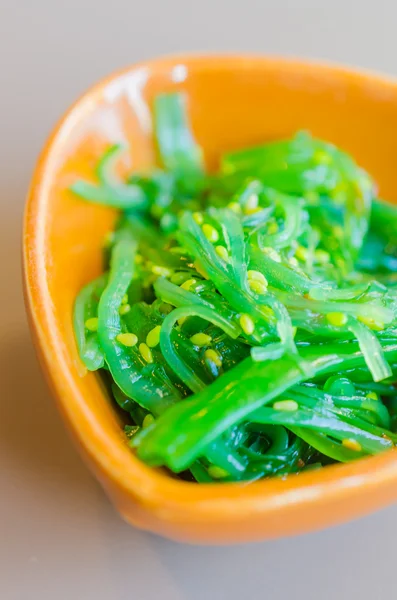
(119,465)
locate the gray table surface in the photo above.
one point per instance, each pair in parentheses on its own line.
(59,537)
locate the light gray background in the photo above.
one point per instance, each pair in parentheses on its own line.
(59,537)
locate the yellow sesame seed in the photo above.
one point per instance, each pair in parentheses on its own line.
(201,339)
(210,233)
(179,277)
(186,285)
(286,405)
(178,250)
(127,339)
(312,197)
(338,231)
(301,253)
(352,444)
(251,203)
(109,238)
(322,158)
(200,269)
(337,319)
(156,211)
(124,299)
(153,337)
(257,286)
(257,276)
(372,396)
(161,271)
(252,211)
(124,309)
(272,253)
(267,311)
(92,324)
(222,253)
(198,217)
(146,353)
(247,324)
(235,207)
(371,323)
(138,259)
(165,308)
(322,256)
(217,472)
(148,420)
(213,356)
(340,263)
(272,228)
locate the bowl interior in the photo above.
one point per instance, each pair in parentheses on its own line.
(233,102)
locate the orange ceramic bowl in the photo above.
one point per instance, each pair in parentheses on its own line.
(233,101)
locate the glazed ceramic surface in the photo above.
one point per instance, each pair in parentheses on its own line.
(233,102)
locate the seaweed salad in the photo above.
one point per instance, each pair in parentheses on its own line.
(246,318)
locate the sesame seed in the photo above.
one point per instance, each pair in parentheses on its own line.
(127,339)
(201,339)
(109,238)
(272,253)
(178,250)
(124,299)
(165,308)
(267,311)
(124,309)
(92,324)
(179,277)
(222,253)
(352,444)
(146,353)
(257,276)
(200,269)
(213,356)
(235,207)
(217,472)
(251,203)
(198,217)
(161,271)
(247,324)
(138,259)
(312,197)
(371,323)
(322,158)
(186,285)
(210,233)
(257,286)
(252,211)
(301,253)
(337,319)
(286,405)
(148,420)
(321,256)
(153,337)
(338,231)
(272,228)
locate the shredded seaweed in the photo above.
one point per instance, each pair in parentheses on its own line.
(247,317)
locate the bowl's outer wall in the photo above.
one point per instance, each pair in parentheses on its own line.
(232,102)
